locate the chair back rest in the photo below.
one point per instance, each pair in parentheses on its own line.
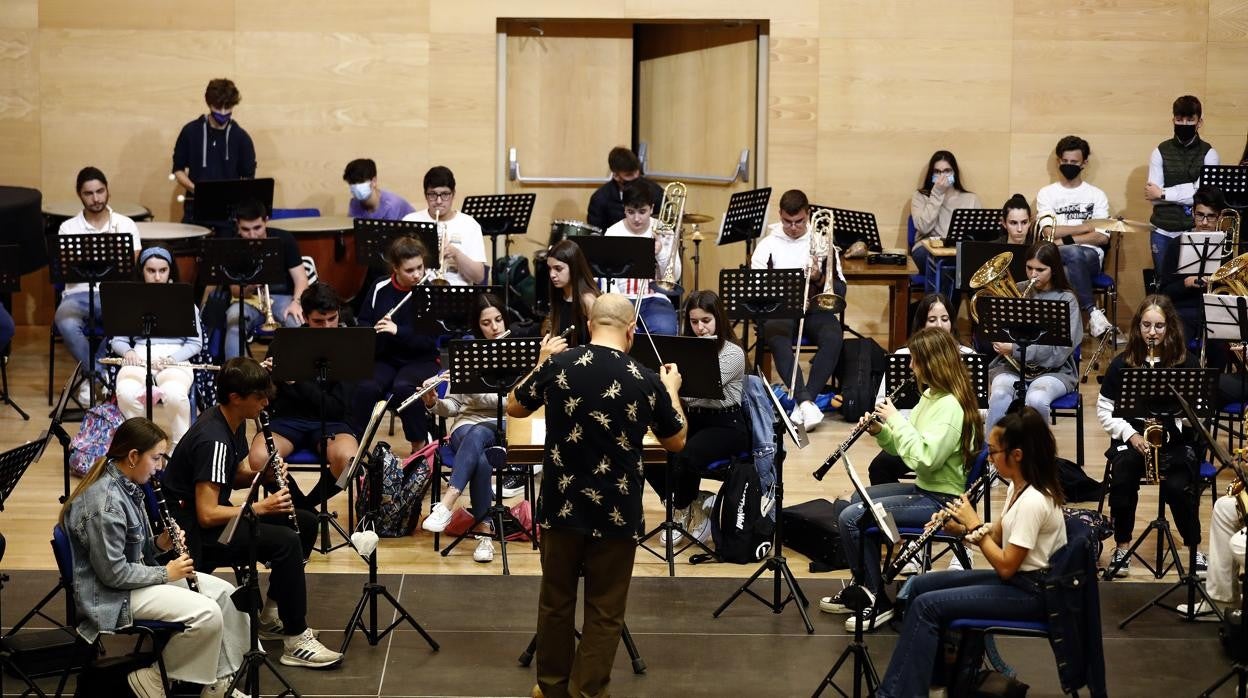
(63,551)
(910,233)
(977,467)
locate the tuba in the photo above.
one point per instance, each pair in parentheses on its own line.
(822,248)
(994,279)
(668,225)
(1228,222)
(1047,220)
(1231,277)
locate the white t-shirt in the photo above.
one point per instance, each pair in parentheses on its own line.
(1074,206)
(1033,522)
(78,225)
(462,231)
(662,257)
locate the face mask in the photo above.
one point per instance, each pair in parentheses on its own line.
(361,191)
(952,178)
(1185,132)
(221,119)
(1069,171)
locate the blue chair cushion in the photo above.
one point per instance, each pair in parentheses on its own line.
(447,455)
(1033,626)
(1102,281)
(1069,401)
(722,463)
(1232,408)
(63,552)
(303,457)
(1208,470)
(295,213)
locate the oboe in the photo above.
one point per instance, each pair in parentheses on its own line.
(279,467)
(916,545)
(173,529)
(858,431)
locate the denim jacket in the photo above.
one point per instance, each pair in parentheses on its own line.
(761,415)
(1072,608)
(113,552)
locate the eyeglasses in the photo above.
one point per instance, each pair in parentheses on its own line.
(439,195)
(1205,217)
(799,223)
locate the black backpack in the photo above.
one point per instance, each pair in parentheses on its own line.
(859,373)
(514,271)
(741,533)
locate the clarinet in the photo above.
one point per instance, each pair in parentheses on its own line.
(916,545)
(174,530)
(279,467)
(858,431)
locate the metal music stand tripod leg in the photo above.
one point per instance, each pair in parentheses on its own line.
(668,526)
(325,519)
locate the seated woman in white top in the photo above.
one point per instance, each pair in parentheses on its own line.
(462,246)
(1018,547)
(173,383)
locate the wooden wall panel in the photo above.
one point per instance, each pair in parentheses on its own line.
(19,107)
(330,16)
(917,21)
(1228,20)
(793,110)
(463,109)
(19,14)
(138,14)
(1226,98)
(1123,20)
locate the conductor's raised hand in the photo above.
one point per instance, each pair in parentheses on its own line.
(180,568)
(670,375)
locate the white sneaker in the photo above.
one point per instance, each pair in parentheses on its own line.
(84,394)
(1097,324)
(146,683)
(798,415)
(437,519)
(270,623)
(1204,612)
(217,689)
(811,415)
(305,650)
(485,549)
(699,525)
(956,564)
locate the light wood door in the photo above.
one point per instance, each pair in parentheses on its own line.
(569,101)
(696,109)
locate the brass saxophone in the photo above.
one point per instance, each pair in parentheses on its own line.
(279,466)
(174,530)
(1154,434)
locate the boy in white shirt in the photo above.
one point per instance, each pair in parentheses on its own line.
(1074,202)
(657,313)
(463,246)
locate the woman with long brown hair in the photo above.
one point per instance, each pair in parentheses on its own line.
(117,579)
(939,442)
(571,291)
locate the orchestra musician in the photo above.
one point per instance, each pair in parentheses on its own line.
(570,277)
(71,314)
(251,221)
(405,355)
(1047,278)
(210,461)
(117,579)
(657,314)
(1015,221)
(1156,333)
(788,245)
(213,146)
(172,383)
(941,192)
(295,410)
(1018,546)
(459,234)
(1174,169)
(939,442)
(1187,291)
(1226,554)
(369,200)
(606,204)
(471,424)
(717,427)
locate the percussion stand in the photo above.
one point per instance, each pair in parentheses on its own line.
(136,309)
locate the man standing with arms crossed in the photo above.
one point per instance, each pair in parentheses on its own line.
(599,404)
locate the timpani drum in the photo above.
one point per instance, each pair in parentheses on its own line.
(562,229)
(330,241)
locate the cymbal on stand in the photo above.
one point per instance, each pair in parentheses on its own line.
(696,218)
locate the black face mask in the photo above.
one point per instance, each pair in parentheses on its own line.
(1070,171)
(1185,132)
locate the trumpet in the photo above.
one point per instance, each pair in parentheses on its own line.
(118,361)
(1047,220)
(439,276)
(858,431)
(668,225)
(270,324)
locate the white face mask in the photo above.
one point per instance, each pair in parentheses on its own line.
(362,191)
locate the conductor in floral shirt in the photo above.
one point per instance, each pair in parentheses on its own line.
(599,403)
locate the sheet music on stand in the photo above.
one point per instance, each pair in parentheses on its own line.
(373,238)
(1226,317)
(850,226)
(745,217)
(1149,392)
(500,214)
(491,365)
(1231,179)
(92,257)
(1200,254)
(776,293)
(899,371)
(974,224)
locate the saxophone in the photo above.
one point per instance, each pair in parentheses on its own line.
(278,465)
(173,529)
(1154,434)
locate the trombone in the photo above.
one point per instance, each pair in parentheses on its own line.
(821,249)
(668,225)
(1229,222)
(1046,220)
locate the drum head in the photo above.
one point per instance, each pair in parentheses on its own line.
(561,229)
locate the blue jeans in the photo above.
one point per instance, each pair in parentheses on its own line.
(1159,243)
(254,319)
(933,601)
(469,444)
(921,256)
(659,316)
(910,507)
(7,328)
(1041,392)
(71,322)
(1082,265)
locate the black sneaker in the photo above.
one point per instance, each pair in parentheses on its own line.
(1202,564)
(513,484)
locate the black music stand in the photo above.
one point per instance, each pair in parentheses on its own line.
(217,199)
(899,371)
(493,366)
(10,282)
(93,258)
(698,361)
(1025,322)
(373,238)
(618,257)
(372,462)
(775,562)
(501,214)
(57,428)
(758,295)
(974,225)
(1146,394)
(860,598)
(744,219)
(1226,318)
(850,226)
(1232,180)
(248,599)
(135,309)
(340,354)
(449,305)
(242,261)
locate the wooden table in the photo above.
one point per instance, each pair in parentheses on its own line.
(325,239)
(941,251)
(897,278)
(526,441)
